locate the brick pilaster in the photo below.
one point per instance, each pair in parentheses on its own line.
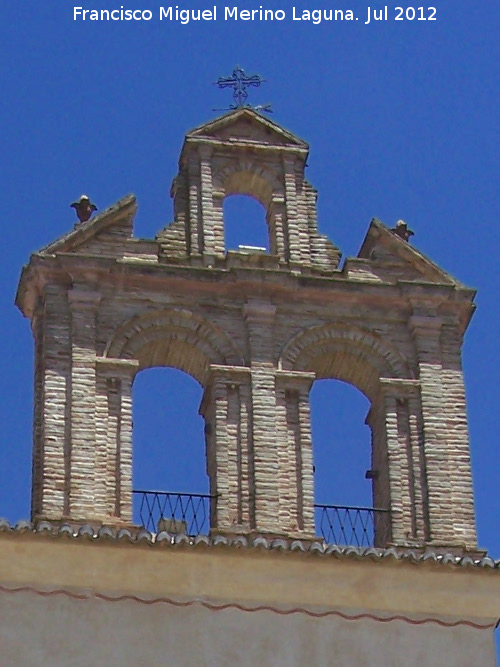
(404,464)
(457,435)
(52,436)
(426,332)
(227,412)
(259,318)
(292,223)
(295,456)
(114,438)
(83,305)
(195,226)
(278,234)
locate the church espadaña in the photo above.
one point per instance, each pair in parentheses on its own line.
(258,582)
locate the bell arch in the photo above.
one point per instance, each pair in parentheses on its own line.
(365,360)
(348,353)
(169,451)
(175,338)
(248,177)
(245,154)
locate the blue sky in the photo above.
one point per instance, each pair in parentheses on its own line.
(402,121)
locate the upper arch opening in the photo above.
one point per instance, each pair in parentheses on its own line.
(245,223)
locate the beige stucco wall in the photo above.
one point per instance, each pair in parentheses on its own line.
(76,602)
(63,632)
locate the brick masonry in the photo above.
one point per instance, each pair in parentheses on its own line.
(255,330)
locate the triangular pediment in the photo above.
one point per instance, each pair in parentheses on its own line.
(389,254)
(246,125)
(115,222)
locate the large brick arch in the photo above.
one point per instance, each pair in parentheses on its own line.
(176,338)
(349,353)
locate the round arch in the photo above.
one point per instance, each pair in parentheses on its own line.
(176,338)
(349,353)
(245,177)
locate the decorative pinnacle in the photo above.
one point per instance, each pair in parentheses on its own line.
(239,81)
(402,230)
(84,208)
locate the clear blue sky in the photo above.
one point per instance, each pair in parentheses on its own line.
(402,120)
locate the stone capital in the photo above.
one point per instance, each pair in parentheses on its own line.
(399,388)
(116,368)
(295,380)
(236,375)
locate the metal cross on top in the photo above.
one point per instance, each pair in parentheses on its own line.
(239,81)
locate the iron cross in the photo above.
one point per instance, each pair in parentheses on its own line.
(239,82)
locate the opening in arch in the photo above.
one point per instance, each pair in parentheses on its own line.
(245,223)
(342,456)
(169,463)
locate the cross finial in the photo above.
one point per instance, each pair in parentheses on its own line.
(239,81)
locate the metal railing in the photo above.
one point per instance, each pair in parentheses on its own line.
(186,513)
(189,514)
(353,526)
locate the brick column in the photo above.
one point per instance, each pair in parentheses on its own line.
(457,435)
(259,317)
(213,235)
(195,227)
(83,304)
(276,221)
(37,462)
(295,456)
(114,439)
(218,219)
(227,412)
(406,473)
(53,381)
(291,211)
(302,215)
(426,332)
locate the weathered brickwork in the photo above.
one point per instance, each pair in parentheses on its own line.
(255,330)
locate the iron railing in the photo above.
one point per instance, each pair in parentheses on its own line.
(353,526)
(189,514)
(186,513)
